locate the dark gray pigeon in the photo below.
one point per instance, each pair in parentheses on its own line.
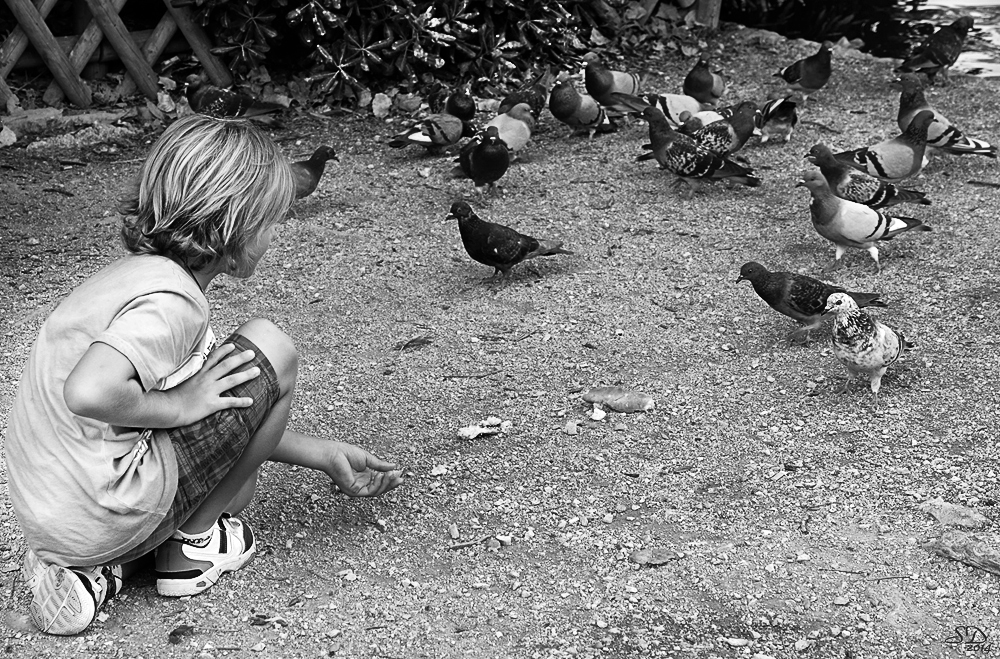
(496,245)
(799,297)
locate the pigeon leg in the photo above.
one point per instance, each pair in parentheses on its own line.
(873,251)
(835,263)
(800,336)
(847,383)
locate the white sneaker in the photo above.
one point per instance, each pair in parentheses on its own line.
(185,568)
(65,601)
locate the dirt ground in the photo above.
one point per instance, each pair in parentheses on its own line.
(783,516)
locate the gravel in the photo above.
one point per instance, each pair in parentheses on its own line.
(770,516)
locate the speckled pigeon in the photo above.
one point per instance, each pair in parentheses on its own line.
(688,160)
(865,347)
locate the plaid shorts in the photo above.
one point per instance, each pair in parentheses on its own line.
(206,450)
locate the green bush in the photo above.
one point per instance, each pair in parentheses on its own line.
(367,44)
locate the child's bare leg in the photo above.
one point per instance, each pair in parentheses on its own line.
(236,488)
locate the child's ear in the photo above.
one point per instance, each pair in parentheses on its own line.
(128,203)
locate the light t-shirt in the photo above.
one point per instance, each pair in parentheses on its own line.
(85,491)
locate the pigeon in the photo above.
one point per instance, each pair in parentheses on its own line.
(536,95)
(778,118)
(850,224)
(514,126)
(703,84)
(688,160)
(810,74)
(692,123)
(852,185)
(728,136)
(307,173)
(863,345)
(799,297)
(206,98)
(941,134)
(437,131)
(897,158)
(672,105)
(939,51)
(496,245)
(578,111)
(601,82)
(484,158)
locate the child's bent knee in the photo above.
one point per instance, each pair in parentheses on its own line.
(276,345)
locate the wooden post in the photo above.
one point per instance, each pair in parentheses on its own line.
(707,13)
(153,48)
(80,54)
(53,56)
(200,44)
(17,40)
(6,93)
(115,32)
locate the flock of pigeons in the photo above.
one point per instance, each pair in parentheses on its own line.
(698,142)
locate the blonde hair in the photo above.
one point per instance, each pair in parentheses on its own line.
(208,188)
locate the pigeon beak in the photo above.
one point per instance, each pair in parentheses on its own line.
(801,184)
(739,279)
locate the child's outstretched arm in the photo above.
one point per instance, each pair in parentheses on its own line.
(105,386)
(354,470)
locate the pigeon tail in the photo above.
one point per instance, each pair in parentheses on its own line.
(868,300)
(628,103)
(548,248)
(898,225)
(900,196)
(969,145)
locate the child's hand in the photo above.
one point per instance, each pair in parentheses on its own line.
(201,396)
(358,473)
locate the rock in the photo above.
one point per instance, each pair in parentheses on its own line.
(7,137)
(471,432)
(950,514)
(380,105)
(841,601)
(655,556)
(966,548)
(572,428)
(802,645)
(620,400)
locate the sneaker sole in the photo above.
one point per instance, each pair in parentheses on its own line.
(69,607)
(195,585)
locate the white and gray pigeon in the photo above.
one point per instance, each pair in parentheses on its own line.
(850,224)
(897,158)
(941,133)
(865,347)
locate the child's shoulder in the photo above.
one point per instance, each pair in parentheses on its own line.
(141,274)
